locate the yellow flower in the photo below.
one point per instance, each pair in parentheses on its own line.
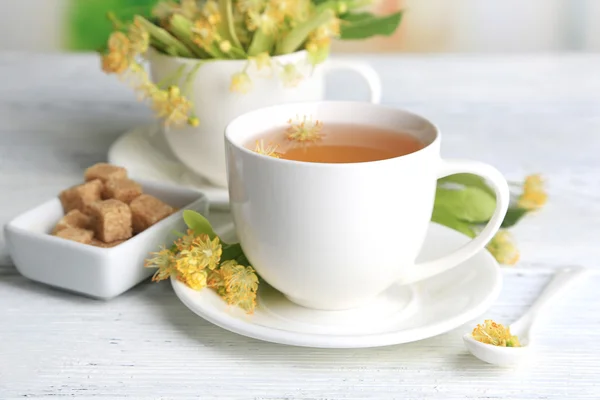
(115,62)
(225,46)
(196,280)
(163,260)
(189,8)
(211,12)
(290,75)
(241,285)
(533,196)
(496,334)
(138,37)
(171,106)
(268,150)
(503,248)
(240,82)
(215,278)
(262,60)
(194,121)
(245,6)
(304,130)
(266,21)
(185,241)
(204,34)
(202,253)
(119,42)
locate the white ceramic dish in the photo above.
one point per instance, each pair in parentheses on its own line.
(144,152)
(401,314)
(97,272)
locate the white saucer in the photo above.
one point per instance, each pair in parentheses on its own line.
(400,315)
(146,155)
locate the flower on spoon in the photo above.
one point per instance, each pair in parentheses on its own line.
(495,334)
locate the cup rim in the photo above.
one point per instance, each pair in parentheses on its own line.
(409,156)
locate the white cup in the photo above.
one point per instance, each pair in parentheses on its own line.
(201,148)
(333,236)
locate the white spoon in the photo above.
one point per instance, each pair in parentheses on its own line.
(523,327)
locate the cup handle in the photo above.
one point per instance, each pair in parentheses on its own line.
(364,70)
(428,269)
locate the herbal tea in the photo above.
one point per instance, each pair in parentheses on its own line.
(334,143)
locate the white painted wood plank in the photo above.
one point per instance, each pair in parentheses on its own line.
(146,342)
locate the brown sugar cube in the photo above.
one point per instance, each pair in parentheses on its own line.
(105,172)
(147,210)
(111,219)
(124,190)
(81,196)
(100,243)
(76,234)
(73,219)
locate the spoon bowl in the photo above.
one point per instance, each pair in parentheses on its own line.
(502,356)
(523,327)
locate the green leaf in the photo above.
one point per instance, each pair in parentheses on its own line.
(367,27)
(444,217)
(85,26)
(197,223)
(513,215)
(470,204)
(231,252)
(356,17)
(468,180)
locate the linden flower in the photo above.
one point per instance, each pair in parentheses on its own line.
(262,60)
(196,280)
(496,334)
(268,150)
(189,8)
(204,33)
(245,6)
(287,8)
(267,21)
(201,253)
(171,106)
(304,130)
(241,285)
(215,281)
(118,42)
(211,12)
(115,63)
(503,248)
(163,260)
(240,83)
(533,196)
(185,241)
(139,38)
(225,46)
(290,75)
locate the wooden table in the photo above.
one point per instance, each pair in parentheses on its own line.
(524,114)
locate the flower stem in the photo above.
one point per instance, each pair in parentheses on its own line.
(171,79)
(226,9)
(163,36)
(181,28)
(190,78)
(299,34)
(261,42)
